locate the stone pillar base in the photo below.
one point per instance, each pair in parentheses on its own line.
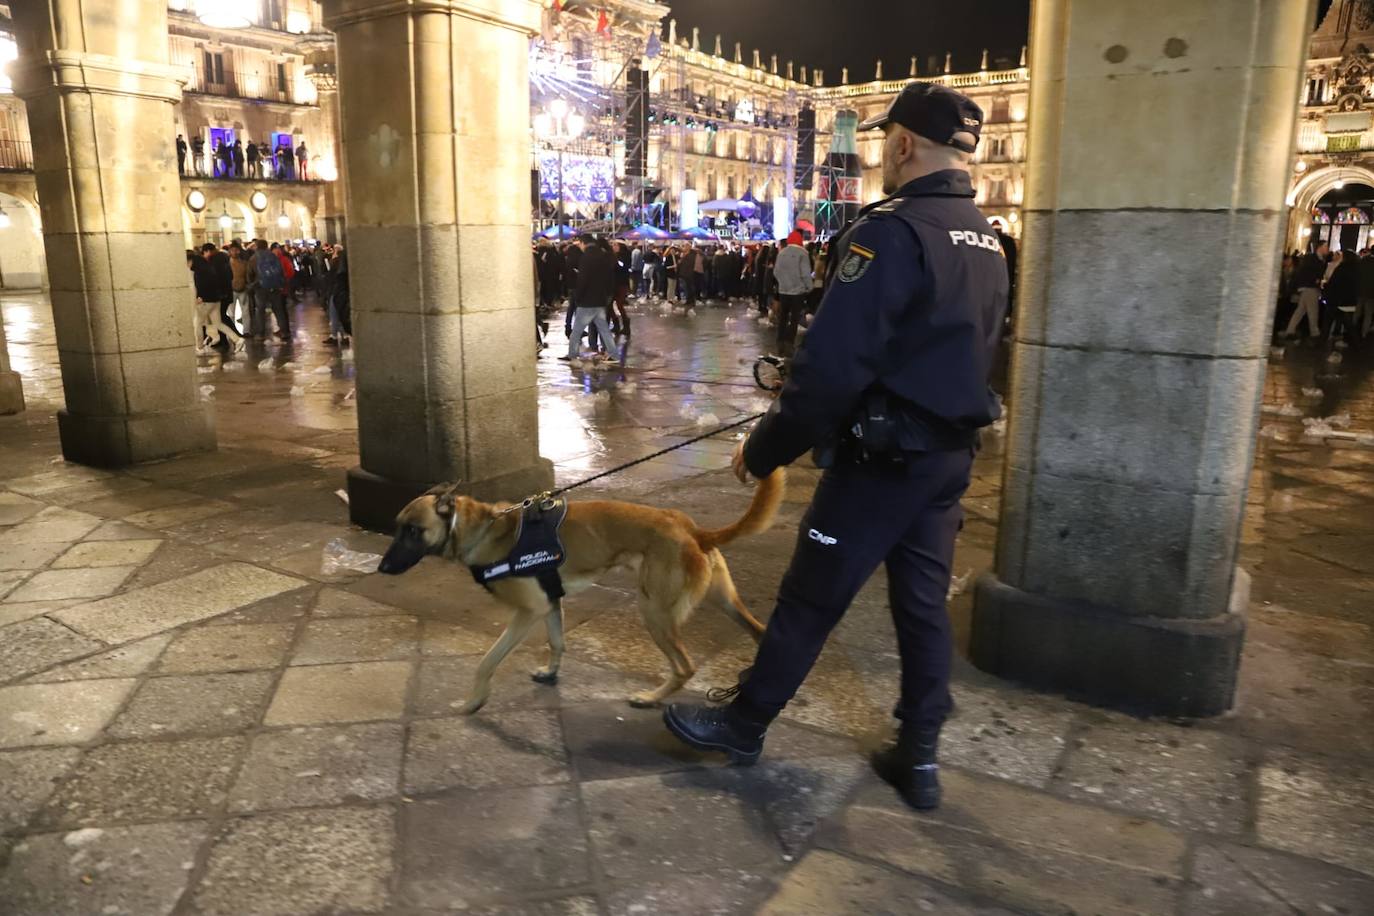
(1152,666)
(116,442)
(11,393)
(373,501)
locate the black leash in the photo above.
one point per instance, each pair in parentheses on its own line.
(657,454)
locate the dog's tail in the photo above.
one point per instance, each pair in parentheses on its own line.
(756,519)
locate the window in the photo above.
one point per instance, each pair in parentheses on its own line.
(214,68)
(996,148)
(1001,110)
(281,77)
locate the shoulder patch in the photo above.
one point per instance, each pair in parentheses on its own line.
(856,263)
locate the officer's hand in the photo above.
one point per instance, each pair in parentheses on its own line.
(737,463)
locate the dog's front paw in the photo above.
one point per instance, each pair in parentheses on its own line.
(471,706)
(644,701)
(544,676)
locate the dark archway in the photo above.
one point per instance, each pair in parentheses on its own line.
(1343,218)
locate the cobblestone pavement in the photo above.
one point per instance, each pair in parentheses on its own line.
(199,714)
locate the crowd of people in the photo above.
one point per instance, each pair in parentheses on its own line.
(235,160)
(239,286)
(784,280)
(1333,291)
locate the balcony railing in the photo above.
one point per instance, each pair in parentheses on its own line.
(241,84)
(16,156)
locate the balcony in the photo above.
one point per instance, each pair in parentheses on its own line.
(261,85)
(16,156)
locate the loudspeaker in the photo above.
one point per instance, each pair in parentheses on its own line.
(636,122)
(806,149)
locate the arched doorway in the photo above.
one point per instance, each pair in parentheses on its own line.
(21,244)
(1342,218)
(1310,190)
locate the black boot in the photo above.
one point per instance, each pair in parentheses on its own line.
(909,766)
(716,728)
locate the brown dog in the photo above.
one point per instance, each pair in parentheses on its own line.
(678,565)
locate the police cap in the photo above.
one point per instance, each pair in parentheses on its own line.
(935,112)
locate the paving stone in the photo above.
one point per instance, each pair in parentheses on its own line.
(464,848)
(140,871)
(33,555)
(824,883)
(795,796)
(129,660)
(1233,880)
(108,553)
(195,704)
(144,611)
(295,863)
(445,683)
(611,740)
(172,516)
(65,475)
(688,821)
(578,905)
(361,640)
(234,647)
(321,694)
(51,525)
(173,560)
(57,584)
(1188,777)
(334,602)
(13,612)
(11,580)
(492,748)
(282,608)
(145,781)
(1032,873)
(1005,732)
(118,531)
(27,778)
(319,766)
(73,713)
(15,508)
(725,892)
(39,643)
(443,638)
(1317,807)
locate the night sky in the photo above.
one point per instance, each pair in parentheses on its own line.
(831,34)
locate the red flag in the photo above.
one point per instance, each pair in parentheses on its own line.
(603,25)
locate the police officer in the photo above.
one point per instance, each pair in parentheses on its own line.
(891,383)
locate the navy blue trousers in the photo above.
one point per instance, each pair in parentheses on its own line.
(905,517)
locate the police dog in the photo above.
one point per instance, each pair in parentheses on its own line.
(678,564)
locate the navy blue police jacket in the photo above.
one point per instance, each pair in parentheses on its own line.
(914,307)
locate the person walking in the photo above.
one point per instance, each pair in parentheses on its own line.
(269,280)
(224,286)
(181,154)
(1364,315)
(209,325)
(596,280)
(671,260)
(793,272)
(1343,296)
(238,265)
(901,348)
(1308,277)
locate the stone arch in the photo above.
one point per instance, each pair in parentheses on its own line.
(1310,188)
(22,261)
(204,226)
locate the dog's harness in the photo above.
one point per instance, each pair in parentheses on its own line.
(538,550)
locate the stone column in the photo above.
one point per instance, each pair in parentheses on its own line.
(100,94)
(1159,155)
(11,386)
(434,105)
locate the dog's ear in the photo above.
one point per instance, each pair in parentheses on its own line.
(445,494)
